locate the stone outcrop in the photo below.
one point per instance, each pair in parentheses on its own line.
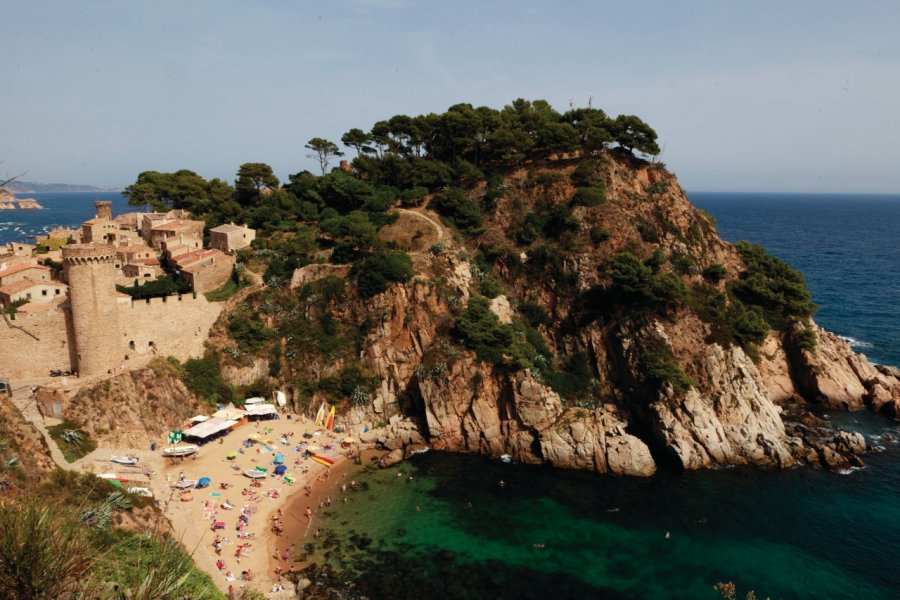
(132,408)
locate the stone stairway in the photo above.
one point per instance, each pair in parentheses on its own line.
(23,401)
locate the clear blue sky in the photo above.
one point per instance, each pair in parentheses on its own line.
(751,96)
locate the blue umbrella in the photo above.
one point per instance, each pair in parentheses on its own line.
(280,469)
(279,458)
(203,482)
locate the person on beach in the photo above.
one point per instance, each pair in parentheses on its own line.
(286,555)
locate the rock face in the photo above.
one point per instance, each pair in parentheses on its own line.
(731,406)
(129,408)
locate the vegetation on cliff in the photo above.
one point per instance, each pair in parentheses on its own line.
(557,237)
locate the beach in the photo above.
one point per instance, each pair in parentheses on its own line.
(256,549)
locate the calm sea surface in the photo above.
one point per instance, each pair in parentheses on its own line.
(63,209)
(453,532)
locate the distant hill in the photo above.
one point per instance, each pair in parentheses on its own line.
(32,187)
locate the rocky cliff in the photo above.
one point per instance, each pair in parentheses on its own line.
(624,335)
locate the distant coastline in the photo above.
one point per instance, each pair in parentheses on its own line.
(32,187)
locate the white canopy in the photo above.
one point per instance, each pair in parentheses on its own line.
(257,410)
(231,413)
(209,427)
(254,400)
(199,419)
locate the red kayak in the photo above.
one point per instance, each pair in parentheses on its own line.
(322,459)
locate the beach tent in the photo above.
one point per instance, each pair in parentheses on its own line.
(208,428)
(203,482)
(279,458)
(280,469)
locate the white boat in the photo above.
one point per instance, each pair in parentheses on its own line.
(185,484)
(123,460)
(140,491)
(506,458)
(177,451)
(254,474)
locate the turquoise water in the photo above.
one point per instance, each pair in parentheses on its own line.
(803,533)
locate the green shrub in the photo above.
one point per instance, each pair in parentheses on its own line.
(648,231)
(574,380)
(250,334)
(375,272)
(683,264)
(203,377)
(715,272)
(599,235)
(459,210)
(479,329)
(637,282)
(588,196)
(772,285)
(413,196)
(659,367)
(534,313)
(586,175)
(489,288)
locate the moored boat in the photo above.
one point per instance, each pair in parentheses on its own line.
(177,451)
(123,460)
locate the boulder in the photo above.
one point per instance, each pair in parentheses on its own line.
(391,458)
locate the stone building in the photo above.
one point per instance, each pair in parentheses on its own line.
(24,271)
(205,270)
(91,273)
(231,237)
(41,292)
(178,228)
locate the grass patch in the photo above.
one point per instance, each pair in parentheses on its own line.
(72,441)
(231,287)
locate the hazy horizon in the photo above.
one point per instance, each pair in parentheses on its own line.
(771,97)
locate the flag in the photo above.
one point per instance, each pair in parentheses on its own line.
(175,437)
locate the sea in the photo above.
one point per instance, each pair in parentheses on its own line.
(447,528)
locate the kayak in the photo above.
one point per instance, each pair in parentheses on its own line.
(123,460)
(322,460)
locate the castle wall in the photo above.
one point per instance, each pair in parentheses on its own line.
(23,357)
(173,326)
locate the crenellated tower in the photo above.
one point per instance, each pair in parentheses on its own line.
(103,209)
(90,271)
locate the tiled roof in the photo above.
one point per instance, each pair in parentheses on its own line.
(19,268)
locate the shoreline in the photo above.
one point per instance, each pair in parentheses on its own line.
(192,518)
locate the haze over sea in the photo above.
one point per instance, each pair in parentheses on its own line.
(803,533)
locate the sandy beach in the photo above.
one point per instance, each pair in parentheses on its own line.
(256,547)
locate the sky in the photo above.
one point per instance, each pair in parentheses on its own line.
(796,96)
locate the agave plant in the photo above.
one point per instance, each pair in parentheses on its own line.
(73,437)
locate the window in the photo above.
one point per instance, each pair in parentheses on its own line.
(131,345)
(43,292)
(28,295)
(57,291)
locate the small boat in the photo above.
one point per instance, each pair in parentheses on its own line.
(179,451)
(123,460)
(185,484)
(254,474)
(506,458)
(322,460)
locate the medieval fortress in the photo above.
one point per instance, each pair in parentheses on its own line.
(62,310)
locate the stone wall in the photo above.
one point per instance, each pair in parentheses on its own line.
(33,344)
(173,326)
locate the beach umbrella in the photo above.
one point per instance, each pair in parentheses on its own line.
(204,482)
(280,469)
(279,459)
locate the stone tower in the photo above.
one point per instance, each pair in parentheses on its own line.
(103,208)
(90,271)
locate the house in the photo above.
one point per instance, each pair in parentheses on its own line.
(178,228)
(19,249)
(21,272)
(99,231)
(32,291)
(229,238)
(206,270)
